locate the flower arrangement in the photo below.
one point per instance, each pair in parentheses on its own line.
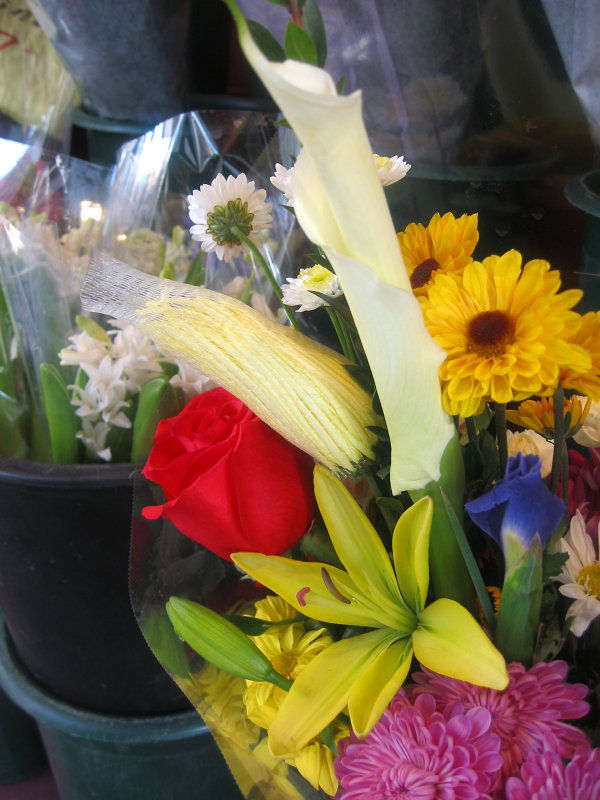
(420,621)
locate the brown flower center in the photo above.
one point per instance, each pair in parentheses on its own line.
(423,272)
(490,332)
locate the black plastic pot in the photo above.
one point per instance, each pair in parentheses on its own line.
(119,758)
(64,555)
(22,753)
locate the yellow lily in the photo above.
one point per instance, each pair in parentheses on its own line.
(365,671)
(341,206)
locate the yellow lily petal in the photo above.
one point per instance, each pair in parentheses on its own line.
(410,547)
(448,640)
(321,690)
(377,685)
(303,585)
(355,540)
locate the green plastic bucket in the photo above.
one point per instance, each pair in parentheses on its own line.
(101,757)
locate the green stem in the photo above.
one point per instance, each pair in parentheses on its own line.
(559,438)
(266,269)
(500,418)
(565,476)
(339,332)
(473,436)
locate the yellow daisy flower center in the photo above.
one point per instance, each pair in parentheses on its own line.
(490,332)
(317,278)
(589,578)
(422,273)
(285,664)
(222,220)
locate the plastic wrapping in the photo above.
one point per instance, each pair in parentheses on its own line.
(36,91)
(128,60)
(156,172)
(164,563)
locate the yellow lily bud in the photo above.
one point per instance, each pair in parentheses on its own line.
(296,385)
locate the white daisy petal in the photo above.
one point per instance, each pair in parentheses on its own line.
(580,577)
(225,203)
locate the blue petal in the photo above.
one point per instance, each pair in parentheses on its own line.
(520,505)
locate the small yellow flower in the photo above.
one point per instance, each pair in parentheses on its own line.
(289,648)
(539,415)
(299,291)
(505,330)
(445,245)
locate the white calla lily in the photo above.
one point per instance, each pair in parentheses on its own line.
(341,206)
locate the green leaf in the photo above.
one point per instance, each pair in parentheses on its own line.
(265,40)
(340,85)
(156,400)
(312,22)
(298,45)
(164,642)
(167,272)
(196,274)
(63,423)
(12,442)
(552,564)
(520,605)
(252,626)
(220,642)
(278,2)
(92,328)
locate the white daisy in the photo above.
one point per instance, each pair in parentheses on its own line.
(221,207)
(390,169)
(299,290)
(580,576)
(282,181)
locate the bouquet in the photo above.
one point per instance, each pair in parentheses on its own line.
(74,389)
(388,580)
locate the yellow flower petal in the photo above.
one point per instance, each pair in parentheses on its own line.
(377,685)
(321,691)
(302,585)
(410,546)
(355,540)
(448,640)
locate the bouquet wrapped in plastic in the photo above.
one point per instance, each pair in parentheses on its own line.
(387,582)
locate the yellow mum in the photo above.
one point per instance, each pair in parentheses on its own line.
(588,337)
(289,648)
(539,415)
(445,245)
(505,330)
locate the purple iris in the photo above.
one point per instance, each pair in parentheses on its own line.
(519,506)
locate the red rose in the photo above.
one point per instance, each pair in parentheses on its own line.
(231,482)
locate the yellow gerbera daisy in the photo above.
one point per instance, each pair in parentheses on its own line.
(505,331)
(587,337)
(539,415)
(445,245)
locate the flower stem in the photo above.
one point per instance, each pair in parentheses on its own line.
(339,331)
(500,419)
(267,270)
(559,440)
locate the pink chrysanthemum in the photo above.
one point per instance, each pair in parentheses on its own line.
(527,716)
(545,776)
(415,752)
